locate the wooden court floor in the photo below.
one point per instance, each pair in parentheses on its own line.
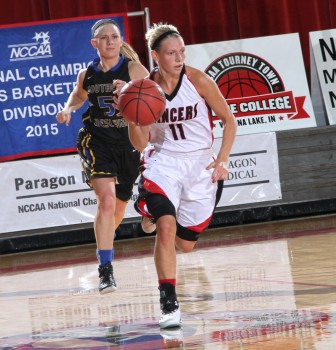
(263,286)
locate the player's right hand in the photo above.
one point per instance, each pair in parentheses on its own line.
(118,85)
(63,117)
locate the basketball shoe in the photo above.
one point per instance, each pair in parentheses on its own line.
(107,283)
(147,225)
(170,315)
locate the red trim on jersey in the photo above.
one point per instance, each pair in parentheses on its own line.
(140,208)
(212,124)
(152,187)
(200,227)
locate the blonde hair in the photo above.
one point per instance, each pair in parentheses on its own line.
(126,49)
(158,32)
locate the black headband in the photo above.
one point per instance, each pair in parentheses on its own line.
(101,22)
(161,37)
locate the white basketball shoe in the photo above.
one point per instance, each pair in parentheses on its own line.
(170,315)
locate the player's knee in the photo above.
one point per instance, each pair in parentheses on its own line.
(106,207)
(166,230)
(106,203)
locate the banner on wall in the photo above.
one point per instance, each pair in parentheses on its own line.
(39,64)
(263,80)
(323,73)
(51,192)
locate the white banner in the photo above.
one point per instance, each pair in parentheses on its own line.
(253,170)
(323,72)
(263,80)
(51,192)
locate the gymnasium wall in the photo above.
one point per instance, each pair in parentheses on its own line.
(306,157)
(307,166)
(199,21)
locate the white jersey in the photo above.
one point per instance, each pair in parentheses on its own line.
(174,164)
(186,125)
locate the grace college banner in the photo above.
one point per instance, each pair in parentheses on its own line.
(263,80)
(39,64)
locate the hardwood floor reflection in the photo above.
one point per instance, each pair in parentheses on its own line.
(261,286)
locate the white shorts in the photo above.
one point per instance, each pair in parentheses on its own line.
(185,181)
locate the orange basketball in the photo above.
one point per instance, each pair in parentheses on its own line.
(142,101)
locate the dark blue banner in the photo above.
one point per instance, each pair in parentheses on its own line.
(39,64)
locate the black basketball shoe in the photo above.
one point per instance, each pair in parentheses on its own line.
(107,283)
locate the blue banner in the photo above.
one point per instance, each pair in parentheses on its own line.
(39,64)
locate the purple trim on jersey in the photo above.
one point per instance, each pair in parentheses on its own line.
(113,69)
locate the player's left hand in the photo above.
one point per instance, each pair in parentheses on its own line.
(220,172)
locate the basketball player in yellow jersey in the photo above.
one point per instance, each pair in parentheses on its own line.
(181,177)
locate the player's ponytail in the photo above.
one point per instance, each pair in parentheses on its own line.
(128,51)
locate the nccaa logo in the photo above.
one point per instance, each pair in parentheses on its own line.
(39,49)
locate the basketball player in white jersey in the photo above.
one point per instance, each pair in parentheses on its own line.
(181,177)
